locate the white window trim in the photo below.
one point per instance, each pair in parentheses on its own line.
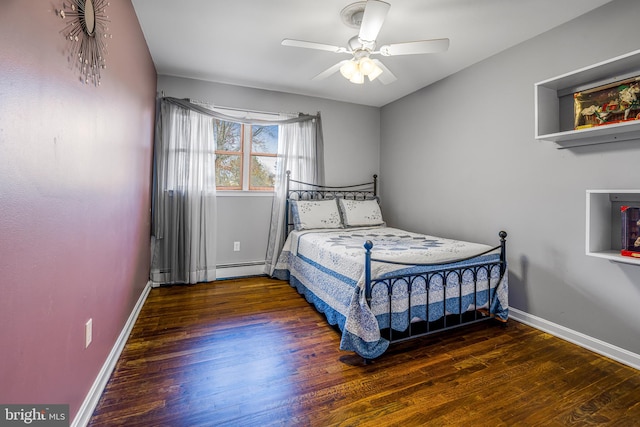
(244,193)
(246,158)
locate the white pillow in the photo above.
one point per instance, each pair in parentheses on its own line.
(359,213)
(311,214)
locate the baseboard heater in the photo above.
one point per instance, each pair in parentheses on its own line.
(240,264)
(240,269)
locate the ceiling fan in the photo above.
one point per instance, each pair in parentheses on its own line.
(368,16)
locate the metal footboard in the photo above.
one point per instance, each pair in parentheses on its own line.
(443,274)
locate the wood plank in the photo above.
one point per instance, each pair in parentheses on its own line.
(253,352)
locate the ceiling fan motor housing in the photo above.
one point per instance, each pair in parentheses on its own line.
(355,44)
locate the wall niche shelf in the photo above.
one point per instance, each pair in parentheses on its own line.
(554,104)
(603,233)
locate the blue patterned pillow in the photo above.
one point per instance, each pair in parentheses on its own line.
(360,213)
(311,214)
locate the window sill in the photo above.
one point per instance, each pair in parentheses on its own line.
(240,193)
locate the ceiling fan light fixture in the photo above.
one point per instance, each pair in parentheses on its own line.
(348,69)
(355,70)
(366,65)
(357,78)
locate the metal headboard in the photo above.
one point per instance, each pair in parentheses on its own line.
(308,191)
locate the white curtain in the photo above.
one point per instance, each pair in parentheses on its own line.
(184,197)
(301,151)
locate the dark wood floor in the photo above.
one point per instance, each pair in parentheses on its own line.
(253,352)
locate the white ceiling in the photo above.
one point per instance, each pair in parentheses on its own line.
(238,41)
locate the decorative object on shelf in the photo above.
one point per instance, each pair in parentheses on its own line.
(87,33)
(604,105)
(630,231)
(554,105)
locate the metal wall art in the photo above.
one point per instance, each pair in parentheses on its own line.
(87,33)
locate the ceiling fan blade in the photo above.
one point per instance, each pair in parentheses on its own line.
(375,12)
(329,71)
(387,76)
(313,45)
(417,47)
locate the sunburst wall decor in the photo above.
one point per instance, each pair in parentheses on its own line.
(87,31)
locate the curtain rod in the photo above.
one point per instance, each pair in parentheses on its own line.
(233,108)
(186,103)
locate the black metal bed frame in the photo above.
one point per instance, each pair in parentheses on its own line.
(368,190)
(307,191)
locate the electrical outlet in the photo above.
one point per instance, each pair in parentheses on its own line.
(88,332)
(236,246)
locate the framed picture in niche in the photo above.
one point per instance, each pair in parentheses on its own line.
(608,104)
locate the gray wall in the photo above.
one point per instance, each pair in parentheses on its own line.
(351,132)
(459,159)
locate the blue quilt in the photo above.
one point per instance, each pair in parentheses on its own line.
(327,267)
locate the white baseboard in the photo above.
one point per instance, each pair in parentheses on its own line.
(605,349)
(91,400)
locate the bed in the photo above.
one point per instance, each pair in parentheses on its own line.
(378,284)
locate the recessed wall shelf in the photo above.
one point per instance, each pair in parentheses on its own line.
(603,233)
(554,104)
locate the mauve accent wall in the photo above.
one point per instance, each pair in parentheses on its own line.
(75,172)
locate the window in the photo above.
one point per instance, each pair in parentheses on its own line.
(245,156)
(229,156)
(264,152)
